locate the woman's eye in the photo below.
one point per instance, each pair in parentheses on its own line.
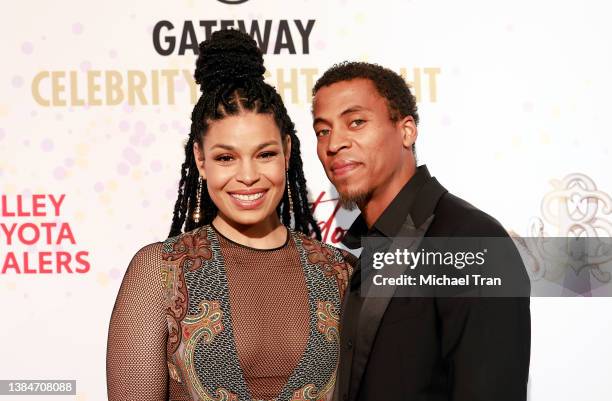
(224,158)
(267,155)
(356,123)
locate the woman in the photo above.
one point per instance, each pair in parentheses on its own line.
(239,306)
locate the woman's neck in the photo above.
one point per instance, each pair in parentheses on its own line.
(267,234)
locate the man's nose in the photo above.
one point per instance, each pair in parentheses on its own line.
(337,140)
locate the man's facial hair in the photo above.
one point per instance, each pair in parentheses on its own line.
(351,201)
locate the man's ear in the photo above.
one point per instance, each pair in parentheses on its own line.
(198,154)
(287,150)
(409,131)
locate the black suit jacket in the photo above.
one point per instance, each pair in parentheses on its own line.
(426,349)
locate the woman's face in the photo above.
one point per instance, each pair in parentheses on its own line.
(243,161)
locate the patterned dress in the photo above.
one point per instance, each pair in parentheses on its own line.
(242,324)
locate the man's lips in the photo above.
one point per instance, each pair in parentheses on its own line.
(341,167)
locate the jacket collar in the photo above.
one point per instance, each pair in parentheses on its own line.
(390,221)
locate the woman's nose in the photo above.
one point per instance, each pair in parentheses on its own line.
(247,173)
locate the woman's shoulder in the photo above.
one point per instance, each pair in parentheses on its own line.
(148,253)
(325,250)
(154,252)
(348,257)
(196,237)
(201,231)
(143,269)
(193,244)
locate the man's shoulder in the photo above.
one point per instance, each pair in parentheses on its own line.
(456,217)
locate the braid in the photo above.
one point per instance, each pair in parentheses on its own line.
(230,71)
(177,223)
(188,171)
(304,220)
(303,211)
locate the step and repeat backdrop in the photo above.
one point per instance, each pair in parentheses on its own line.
(95,108)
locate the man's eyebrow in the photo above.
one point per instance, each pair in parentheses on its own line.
(353,109)
(318,120)
(348,110)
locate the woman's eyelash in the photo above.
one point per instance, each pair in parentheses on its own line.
(227,158)
(268,154)
(223,158)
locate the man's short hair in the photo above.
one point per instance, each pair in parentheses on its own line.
(390,85)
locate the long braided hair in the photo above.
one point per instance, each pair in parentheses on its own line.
(229,70)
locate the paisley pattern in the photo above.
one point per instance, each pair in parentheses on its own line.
(202,327)
(202,354)
(187,251)
(190,249)
(325,256)
(175,290)
(329,320)
(306,393)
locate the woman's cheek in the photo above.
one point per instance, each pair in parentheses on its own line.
(218,177)
(276,174)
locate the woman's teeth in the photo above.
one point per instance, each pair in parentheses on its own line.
(250,197)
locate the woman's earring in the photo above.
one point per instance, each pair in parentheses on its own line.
(289,193)
(197,214)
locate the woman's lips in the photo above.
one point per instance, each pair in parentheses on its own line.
(249,199)
(342,167)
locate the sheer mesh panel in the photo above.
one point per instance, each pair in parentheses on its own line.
(270,314)
(136,368)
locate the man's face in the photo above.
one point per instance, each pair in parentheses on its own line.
(359,146)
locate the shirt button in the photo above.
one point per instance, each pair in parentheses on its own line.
(349,344)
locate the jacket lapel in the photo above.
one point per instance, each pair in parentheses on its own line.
(374,307)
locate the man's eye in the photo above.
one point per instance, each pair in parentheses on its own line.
(356,123)
(323,132)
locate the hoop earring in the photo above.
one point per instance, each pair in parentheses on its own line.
(289,196)
(197,214)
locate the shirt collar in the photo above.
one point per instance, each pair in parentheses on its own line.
(391,220)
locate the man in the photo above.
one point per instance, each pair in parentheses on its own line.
(403,348)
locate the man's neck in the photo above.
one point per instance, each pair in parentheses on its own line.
(381,197)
